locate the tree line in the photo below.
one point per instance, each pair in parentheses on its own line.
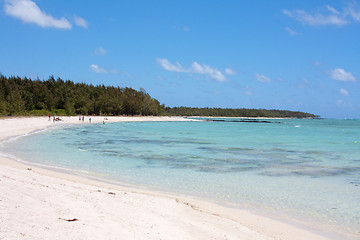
(231,112)
(23,96)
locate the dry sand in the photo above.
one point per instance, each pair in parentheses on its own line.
(40,204)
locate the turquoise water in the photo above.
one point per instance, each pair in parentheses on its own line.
(308,168)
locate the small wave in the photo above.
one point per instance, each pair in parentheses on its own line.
(20,160)
(47,129)
(50,167)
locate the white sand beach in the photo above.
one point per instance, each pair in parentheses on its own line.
(37,203)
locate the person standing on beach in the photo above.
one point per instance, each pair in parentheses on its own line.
(49,117)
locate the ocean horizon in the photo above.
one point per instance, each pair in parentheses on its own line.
(308,169)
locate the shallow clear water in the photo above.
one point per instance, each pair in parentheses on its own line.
(308,167)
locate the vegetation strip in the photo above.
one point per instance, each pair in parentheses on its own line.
(23,96)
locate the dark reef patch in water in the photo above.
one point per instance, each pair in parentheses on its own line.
(240,121)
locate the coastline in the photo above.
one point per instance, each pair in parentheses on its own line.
(37,203)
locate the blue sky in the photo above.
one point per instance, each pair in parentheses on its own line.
(293,55)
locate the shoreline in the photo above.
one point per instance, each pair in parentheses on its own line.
(191,218)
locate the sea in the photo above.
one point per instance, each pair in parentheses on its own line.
(304,169)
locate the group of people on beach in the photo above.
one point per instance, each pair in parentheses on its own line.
(55,119)
(81,118)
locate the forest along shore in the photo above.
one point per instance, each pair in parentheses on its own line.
(20,96)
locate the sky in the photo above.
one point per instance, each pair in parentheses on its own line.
(289,55)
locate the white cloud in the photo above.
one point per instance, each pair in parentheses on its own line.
(80,22)
(207,70)
(353,9)
(262,78)
(344,92)
(170,67)
(97,69)
(197,68)
(229,71)
(316,19)
(290,31)
(100,51)
(331,9)
(339,74)
(29,12)
(327,15)
(127,74)
(303,84)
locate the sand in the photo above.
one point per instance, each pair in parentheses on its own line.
(37,203)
